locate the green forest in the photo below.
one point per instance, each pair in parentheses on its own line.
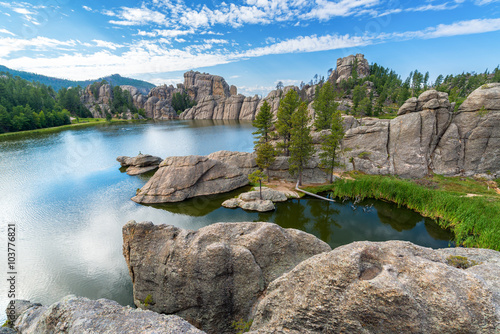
(28,105)
(383,91)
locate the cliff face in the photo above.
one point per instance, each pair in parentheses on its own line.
(200,85)
(428,136)
(345,67)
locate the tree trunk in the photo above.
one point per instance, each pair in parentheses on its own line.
(300,178)
(260,188)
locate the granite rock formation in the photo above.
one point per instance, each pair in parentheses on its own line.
(200,85)
(139,164)
(345,68)
(429,136)
(252,200)
(387,287)
(83,316)
(213,276)
(179,178)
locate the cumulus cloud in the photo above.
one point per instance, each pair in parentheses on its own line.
(128,16)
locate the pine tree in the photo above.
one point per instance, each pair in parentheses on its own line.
(331,144)
(266,155)
(358,94)
(255,177)
(285,111)
(324,106)
(263,122)
(301,144)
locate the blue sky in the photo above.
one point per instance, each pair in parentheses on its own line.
(252,43)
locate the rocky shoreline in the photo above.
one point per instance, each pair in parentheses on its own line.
(284,281)
(426,137)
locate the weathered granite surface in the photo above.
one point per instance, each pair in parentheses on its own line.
(212,276)
(386,287)
(78,315)
(428,136)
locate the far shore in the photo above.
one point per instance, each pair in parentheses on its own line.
(81,123)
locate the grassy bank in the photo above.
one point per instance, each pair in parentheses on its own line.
(83,122)
(475,220)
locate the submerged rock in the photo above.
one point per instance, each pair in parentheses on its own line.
(386,287)
(80,315)
(213,276)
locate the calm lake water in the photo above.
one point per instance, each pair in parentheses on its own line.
(69,200)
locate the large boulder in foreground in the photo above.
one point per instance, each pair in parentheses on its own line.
(180,178)
(213,276)
(77,315)
(387,287)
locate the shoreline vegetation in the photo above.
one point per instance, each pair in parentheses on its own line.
(83,122)
(470,208)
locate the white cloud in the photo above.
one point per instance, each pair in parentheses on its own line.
(136,16)
(22,11)
(446,30)
(215,41)
(9,45)
(108,45)
(328,9)
(5,31)
(158,56)
(309,44)
(485,2)
(87,8)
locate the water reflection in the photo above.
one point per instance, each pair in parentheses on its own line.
(69,199)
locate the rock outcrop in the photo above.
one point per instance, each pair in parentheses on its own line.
(200,85)
(252,200)
(428,136)
(179,178)
(345,68)
(139,164)
(83,316)
(213,276)
(388,287)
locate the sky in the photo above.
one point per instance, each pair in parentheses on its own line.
(253,44)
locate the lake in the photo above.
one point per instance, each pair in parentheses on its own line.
(69,200)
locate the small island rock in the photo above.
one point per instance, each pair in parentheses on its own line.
(140,164)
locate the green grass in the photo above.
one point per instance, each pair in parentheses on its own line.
(82,123)
(475,221)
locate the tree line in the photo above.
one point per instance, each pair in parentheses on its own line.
(383,91)
(290,134)
(29,105)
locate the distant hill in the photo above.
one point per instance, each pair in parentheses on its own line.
(56,83)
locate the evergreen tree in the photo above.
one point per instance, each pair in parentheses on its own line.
(255,177)
(324,106)
(331,144)
(301,144)
(288,105)
(266,155)
(358,94)
(263,122)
